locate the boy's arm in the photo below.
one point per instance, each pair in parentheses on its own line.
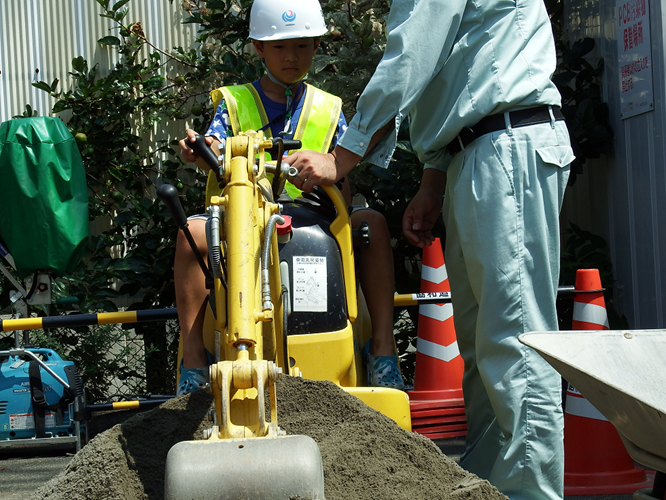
(219,128)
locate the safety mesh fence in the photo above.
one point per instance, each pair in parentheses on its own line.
(118,362)
(115,362)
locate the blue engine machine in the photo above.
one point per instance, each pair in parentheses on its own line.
(41,398)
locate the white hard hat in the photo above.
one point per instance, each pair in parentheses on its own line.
(282,19)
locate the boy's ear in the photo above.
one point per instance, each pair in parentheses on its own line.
(259,47)
(317,41)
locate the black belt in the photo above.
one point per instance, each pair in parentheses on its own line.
(493,123)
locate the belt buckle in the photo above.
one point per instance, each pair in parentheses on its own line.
(466,136)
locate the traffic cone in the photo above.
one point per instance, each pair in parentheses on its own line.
(595,460)
(436,402)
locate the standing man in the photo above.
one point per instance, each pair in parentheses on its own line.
(474,78)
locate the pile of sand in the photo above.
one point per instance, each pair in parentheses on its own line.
(366,456)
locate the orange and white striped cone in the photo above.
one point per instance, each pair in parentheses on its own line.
(436,402)
(595,460)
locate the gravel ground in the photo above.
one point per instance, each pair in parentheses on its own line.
(366,456)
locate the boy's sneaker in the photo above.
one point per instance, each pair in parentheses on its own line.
(192,379)
(382,371)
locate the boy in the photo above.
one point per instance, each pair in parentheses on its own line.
(286,35)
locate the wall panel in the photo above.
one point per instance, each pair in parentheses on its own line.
(39,39)
(623,197)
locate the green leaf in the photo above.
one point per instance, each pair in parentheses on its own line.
(79,64)
(60,106)
(120,15)
(129,264)
(116,173)
(118,5)
(109,40)
(42,86)
(153,83)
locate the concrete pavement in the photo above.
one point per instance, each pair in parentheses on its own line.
(24,469)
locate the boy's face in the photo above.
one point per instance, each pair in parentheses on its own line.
(288,60)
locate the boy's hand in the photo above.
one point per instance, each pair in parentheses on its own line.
(187,153)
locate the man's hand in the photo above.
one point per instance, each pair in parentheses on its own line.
(316,169)
(424,209)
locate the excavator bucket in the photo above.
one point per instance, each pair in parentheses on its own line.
(270,468)
(244,455)
(621,373)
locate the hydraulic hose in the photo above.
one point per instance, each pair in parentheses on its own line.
(213,237)
(265,259)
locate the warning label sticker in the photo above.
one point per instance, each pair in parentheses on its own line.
(310,284)
(24,421)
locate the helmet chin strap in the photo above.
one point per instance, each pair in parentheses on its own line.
(288,94)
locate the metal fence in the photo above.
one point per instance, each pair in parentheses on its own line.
(116,362)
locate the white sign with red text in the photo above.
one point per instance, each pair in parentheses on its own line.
(634,57)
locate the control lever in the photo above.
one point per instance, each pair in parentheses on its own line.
(280,145)
(169,196)
(203,150)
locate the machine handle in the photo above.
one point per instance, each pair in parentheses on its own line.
(202,149)
(290,144)
(169,196)
(281,145)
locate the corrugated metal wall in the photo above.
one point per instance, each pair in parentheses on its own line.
(623,198)
(39,39)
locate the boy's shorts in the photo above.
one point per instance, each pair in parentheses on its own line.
(199,217)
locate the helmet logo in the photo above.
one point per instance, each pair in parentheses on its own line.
(289,16)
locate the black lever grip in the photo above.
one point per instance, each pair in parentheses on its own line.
(169,196)
(281,145)
(290,144)
(203,150)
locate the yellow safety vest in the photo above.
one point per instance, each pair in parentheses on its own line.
(316,126)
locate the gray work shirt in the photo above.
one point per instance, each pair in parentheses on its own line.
(449,63)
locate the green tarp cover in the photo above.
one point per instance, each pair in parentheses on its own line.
(43,195)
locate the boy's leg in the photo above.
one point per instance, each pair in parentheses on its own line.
(191,294)
(375,270)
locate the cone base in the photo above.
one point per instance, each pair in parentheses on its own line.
(609,483)
(441,434)
(646,494)
(441,419)
(454,396)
